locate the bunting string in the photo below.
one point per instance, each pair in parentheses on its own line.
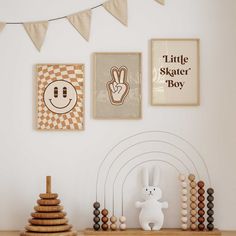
(81,21)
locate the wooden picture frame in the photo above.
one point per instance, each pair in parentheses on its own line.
(117,85)
(175,69)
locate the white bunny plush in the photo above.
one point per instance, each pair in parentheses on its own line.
(151,216)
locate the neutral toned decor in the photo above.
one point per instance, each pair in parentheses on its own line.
(60,97)
(175,72)
(117,85)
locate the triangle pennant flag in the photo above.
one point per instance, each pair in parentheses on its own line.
(82,22)
(162,2)
(37,32)
(2,25)
(119,9)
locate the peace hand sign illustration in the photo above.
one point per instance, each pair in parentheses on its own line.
(118,87)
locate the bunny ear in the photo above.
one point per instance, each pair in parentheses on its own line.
(156,176)
(123,74)
(114,74)
(145,177)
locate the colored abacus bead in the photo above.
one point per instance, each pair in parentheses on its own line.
(210,198)
(96,212)
(104,219)
(210,191)
(113,225)
(104,212)
(96,227)
(201,191)
(201,227)
(96,219)
(96,205)
(105,227)
(122,223)
(201,184)
(210,205)
(210,212)
(210,227)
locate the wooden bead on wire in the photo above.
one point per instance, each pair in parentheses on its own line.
(193,202)
(184,205)
(122,225)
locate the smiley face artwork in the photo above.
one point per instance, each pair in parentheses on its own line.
(60,97)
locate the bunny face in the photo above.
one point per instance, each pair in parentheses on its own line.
(152,192)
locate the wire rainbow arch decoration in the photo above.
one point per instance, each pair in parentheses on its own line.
(120,157)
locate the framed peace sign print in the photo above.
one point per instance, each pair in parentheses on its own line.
(117,85)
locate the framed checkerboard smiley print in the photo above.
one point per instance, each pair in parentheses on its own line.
(60,97)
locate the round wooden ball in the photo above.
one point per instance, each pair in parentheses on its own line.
(210,205)
(201,212)
(201,184)
(113,227)
(184,191)
(193,219)
(184,226)
(210,227)
(184,219)
(104,219)
(201,191)
(191,177)
(201,219)
(113,219)
(201,205)
(201,198)
(96,212)
(96,205)
(184,184)
(182,177)
(193,198)
(105,227)
(122,219)
(105,212)
(210,191)
(184,198)
(210,219)
(184,205)
(193,212)
(210,212)
(193,191)
(193,205)
(96,227)
(96,219)
(122,226)
(210,198)
(193,227)
(184,212)
(201,227)
(193,185)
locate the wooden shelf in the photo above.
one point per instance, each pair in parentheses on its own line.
(164,232)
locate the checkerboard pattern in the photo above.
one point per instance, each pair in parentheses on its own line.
(73,120)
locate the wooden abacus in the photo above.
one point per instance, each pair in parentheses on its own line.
(48,218)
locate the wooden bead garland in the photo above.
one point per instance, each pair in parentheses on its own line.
(96,218)
(105,219)
(193,202)
(201,205)
(122,223)
(210,206)
(184,205)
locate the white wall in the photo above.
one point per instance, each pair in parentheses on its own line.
(72,158)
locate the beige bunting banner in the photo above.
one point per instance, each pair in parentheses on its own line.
(2,25)
(82,22)
(119,9)
(162,2)
(37,32)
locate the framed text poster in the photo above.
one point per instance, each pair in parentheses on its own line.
(175,72)
(117,85)
(60,97)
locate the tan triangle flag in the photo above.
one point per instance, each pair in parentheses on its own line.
(82,22)
(2,25)
(37,32)
(162,2)
(119,9)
